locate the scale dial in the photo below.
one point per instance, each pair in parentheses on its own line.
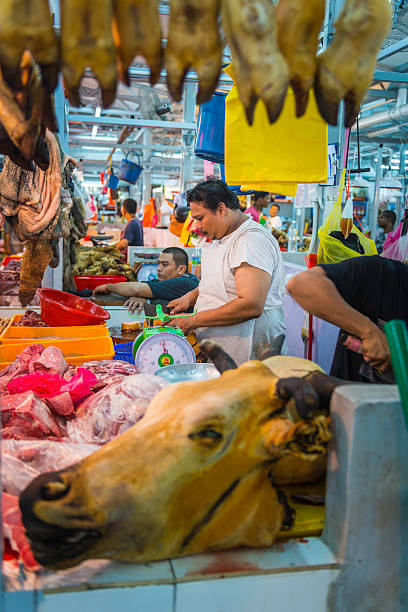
(146,273)
(163,349)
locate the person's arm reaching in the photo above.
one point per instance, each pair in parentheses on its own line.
(252,285)
(125,289)
(183,303)
(318,295)
(122,244)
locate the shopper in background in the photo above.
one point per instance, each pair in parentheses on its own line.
(173,281)
(274,221)
(386,221)
(358,295)
(261,201)
(133,232)
(242,279)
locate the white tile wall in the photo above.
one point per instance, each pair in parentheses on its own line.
(290,554)
(285,592)
(140,599)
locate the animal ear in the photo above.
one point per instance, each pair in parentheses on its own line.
(275,435)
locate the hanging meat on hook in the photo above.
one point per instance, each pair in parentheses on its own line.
(194,42)
(27,25)
(299,24)
(260,69)
(346,68)
(87,42)
(137,31)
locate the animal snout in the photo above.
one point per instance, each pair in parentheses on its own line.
(47,487)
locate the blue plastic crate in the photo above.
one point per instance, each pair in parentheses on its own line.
(123,352)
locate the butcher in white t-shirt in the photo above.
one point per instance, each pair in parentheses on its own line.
(238,300)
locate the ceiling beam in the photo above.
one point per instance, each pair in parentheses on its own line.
(397,47)
(391,77)
(118,121)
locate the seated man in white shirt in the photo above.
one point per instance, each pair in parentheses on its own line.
(274,221)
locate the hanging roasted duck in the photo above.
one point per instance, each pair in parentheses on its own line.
(87,42)
(299,24)
(345,69)
(194,42)
(137,31)
(27,25)
(260,69)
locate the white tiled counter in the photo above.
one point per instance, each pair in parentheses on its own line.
(292,575)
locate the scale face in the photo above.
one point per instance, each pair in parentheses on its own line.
(147,272)
(156,349)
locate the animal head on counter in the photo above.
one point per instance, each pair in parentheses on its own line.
(197,473)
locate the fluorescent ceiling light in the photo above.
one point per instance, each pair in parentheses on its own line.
(94,131)
(358,181)
(390,183)
(98,111)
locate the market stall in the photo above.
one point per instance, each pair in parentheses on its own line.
(170,436)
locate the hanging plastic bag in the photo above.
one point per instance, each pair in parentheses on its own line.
(334,245)
(291,150)
(397,250)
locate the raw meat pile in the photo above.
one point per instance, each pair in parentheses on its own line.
(113,410)
(31,319)
(10,285)
(21,462)
(54,414)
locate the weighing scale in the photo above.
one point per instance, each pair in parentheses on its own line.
(147,272)
(160,346)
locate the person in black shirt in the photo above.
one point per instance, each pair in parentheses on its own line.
(173,281)
(358,295)
(133,232)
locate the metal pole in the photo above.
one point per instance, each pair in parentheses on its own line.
(147,186)
(401,199)
(187,165)
(374,212)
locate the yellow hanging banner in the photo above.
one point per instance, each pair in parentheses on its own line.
(291,150)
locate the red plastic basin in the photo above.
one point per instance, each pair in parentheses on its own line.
(90,281)
(59,308)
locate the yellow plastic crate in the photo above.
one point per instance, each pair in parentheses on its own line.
(75,351)
(32,335)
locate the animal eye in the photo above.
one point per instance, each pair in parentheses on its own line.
(207,435)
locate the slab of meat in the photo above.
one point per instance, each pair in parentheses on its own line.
(107,371)
(34,358)
(14,532)
(61,395)
(24,460)
(115,409)
(31,319)
(51,360)
(25,415)
(21,365)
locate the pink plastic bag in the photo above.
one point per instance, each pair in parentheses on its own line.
(50,386)
(398,249)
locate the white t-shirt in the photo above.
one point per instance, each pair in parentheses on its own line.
(275,222)
(254,245)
